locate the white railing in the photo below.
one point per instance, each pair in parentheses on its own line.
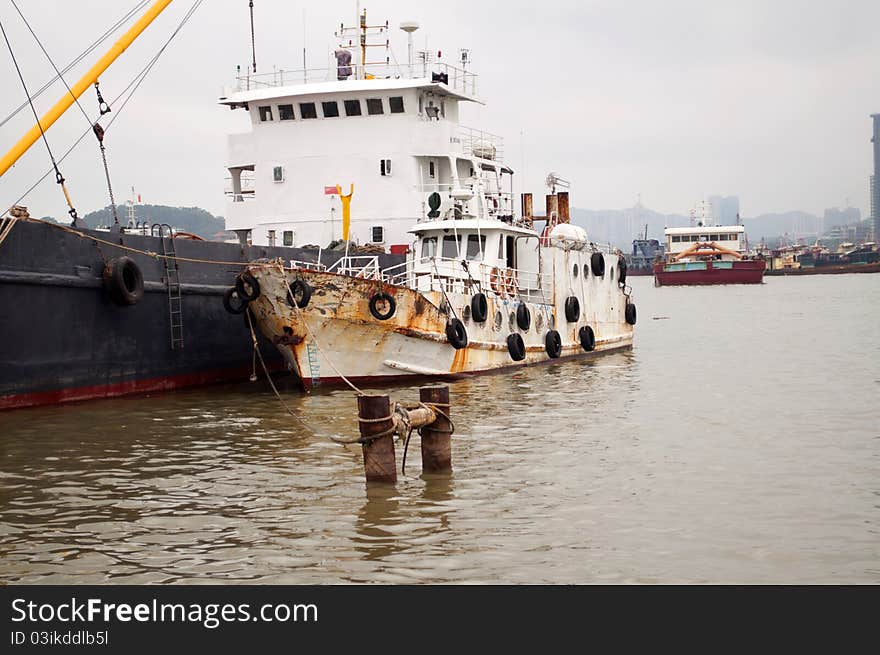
(451,276)
(309,266)
(480,143)
(362,266)
(454,77)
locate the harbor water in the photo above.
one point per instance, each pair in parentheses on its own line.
(738,442)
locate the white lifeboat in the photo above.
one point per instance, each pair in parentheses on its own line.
(568,237)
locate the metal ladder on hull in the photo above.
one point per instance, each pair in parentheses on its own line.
(172,282)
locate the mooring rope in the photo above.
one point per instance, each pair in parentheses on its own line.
(269,377)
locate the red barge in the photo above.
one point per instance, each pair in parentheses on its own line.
(707,254)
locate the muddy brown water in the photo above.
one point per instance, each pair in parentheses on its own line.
(737,442)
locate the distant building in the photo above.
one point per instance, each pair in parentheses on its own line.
(874,209)
(834,217)
(725,209)
(875,179)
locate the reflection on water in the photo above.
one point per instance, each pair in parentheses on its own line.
(737,442)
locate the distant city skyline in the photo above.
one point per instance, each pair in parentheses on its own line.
(610,96)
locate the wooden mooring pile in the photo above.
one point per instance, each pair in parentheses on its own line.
(379,423)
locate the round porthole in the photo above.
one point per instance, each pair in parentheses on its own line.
(466,314)
(574,271)
(499,320)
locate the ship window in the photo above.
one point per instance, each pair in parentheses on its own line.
(385,167)
(285,112)
(395,104)
(331,109)
(374,106)
(713,237)
(352,107)
(265,114)
(278,174)
(431,171)
(676,239)
(377,234)
(288,237)
(501,247)
(272,238)
(307,110)
(450,247)
(475,245)
(429,247)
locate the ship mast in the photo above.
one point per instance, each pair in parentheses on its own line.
(82,85)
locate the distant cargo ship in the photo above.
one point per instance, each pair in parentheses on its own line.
(644,253)
(815,260)
(707,254)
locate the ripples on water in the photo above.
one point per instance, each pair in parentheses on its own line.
(737,442)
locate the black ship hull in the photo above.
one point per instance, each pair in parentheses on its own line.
(62,337)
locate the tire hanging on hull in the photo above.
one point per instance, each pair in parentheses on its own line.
(123,281)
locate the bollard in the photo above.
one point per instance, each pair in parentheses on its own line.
(379,463)
(437,436)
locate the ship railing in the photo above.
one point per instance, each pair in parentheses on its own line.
(452,76)
(480,143)
(470,276)
(309,266)
(362,266)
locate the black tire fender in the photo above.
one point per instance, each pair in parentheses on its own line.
(300,293)
(523,317)
(621,276)
(572,309)
(234,303)
(630,313)
(516,347)
(597,264)
(479,307)
(587,338)
(123,281)
(553,344)
(457,334)
(382,297)
(247,286)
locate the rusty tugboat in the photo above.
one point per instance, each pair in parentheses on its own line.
(478,293)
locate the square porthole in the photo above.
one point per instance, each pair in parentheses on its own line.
(285,112)
(352,107)
(307,110)
(278,174)
(331,109)
(395,104)
(374,106)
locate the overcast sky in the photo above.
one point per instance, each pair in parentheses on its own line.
(673,101)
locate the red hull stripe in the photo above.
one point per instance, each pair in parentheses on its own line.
(128,387)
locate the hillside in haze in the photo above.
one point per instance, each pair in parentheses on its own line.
(190,219)
(616,226)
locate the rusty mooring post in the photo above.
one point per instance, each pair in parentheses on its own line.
(437,436)
(374,417)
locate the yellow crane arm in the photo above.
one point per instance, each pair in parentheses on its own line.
(80,87)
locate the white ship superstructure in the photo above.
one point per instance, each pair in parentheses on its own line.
(388,135)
